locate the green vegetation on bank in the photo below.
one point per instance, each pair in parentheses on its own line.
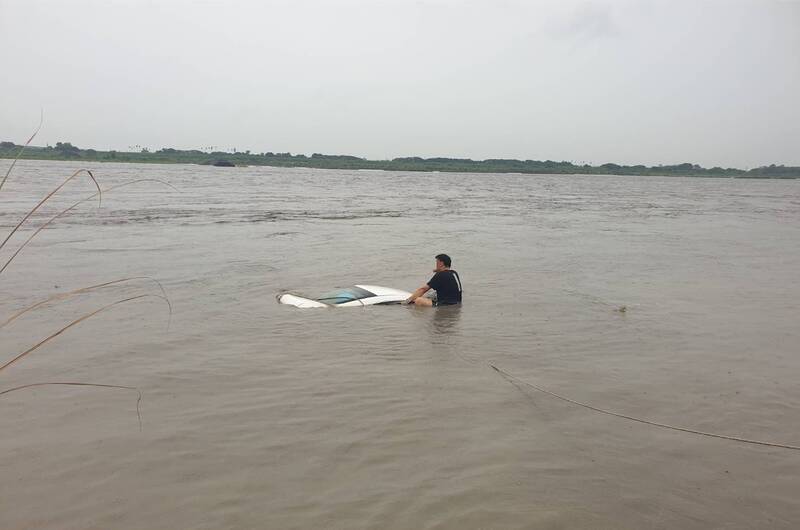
(67,151)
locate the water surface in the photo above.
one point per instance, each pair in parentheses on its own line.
(256,415)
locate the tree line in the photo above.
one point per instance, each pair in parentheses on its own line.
(68,151)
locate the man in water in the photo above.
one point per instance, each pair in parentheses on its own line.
(445,282)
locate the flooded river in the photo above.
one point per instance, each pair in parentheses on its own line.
(674,300)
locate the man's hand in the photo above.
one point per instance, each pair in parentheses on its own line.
(416,294)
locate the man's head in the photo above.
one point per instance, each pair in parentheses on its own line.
(442,262)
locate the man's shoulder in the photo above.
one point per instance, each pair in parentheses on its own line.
(436,278)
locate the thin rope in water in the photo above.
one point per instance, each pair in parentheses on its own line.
(640,420)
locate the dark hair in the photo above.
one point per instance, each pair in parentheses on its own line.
(444,258)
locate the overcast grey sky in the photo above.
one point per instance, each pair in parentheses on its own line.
(710,82)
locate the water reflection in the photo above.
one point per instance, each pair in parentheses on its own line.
(444,321)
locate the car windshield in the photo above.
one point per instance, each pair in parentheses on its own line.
(341,296)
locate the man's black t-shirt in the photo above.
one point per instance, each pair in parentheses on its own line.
(447,285)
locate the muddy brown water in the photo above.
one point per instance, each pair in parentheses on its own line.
(256,415)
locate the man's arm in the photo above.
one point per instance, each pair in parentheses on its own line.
(416,294)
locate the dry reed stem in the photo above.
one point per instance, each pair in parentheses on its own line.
(66,210)
(47,197)
(21,149)
(99,194)
(74,323)
(138,401)
(64,296)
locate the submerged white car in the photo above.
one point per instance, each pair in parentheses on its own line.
(355,296)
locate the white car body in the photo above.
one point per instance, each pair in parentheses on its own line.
(356,296)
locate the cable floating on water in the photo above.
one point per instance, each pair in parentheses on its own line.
(640,420)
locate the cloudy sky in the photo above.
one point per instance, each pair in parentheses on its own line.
(653,82)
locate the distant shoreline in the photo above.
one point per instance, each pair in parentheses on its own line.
(68,152)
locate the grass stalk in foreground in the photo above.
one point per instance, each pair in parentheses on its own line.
(75,323)
(31,385)
(74,292)
(66,210)
(47,197)
(21,149)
